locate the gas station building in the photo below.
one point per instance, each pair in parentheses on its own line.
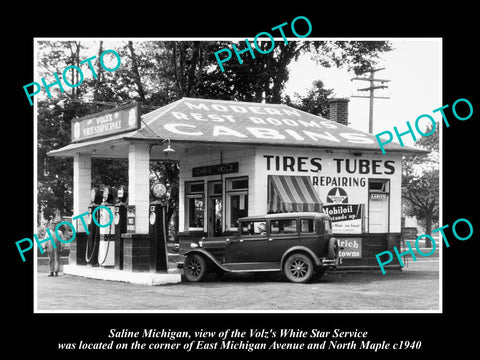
(241,159)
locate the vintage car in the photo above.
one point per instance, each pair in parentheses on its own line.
(299,244)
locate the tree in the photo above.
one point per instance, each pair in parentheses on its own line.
(420,183)
(315,102)
(158,73)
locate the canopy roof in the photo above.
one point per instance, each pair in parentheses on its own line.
(194,120)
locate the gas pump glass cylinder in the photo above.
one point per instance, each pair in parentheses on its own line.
(159,190)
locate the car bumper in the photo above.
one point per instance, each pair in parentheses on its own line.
(329,262)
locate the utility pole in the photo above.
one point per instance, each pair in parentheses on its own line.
(372,96)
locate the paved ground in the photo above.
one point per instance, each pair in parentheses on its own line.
(414,288)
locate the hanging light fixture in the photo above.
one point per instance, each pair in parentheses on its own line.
(168,149)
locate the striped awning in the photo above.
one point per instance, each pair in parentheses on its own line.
(292,193)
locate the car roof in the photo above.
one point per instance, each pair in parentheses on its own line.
(283,215)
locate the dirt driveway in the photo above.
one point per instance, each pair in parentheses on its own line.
(414,288)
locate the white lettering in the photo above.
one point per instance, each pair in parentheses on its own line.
(223,130)
(290,122)
(229,118)
(201,106)
(294,134)
(179,115)
(264,133)
(256,110)
(173,128)
(216,118)
(274,121)
(312,123)
(219,107)
(257,120)
(325,136)
(198,116)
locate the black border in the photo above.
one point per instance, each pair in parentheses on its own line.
(453,330)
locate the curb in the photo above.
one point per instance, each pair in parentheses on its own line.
(141,278)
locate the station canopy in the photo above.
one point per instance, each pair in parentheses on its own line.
(195,121)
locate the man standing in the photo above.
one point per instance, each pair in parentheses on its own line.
(54,252)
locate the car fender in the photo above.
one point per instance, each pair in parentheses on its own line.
(208,256)
(314,257)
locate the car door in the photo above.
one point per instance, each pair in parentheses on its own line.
(251,245)
(283,234)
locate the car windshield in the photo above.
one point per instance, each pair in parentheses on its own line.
(256,227)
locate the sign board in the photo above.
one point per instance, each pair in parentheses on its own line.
(219,169)
(376,196)
(120,119)
(131,219)
(346,218)
(221,121)
(352,248)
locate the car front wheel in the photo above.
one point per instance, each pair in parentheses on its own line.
(195,267)
(298,268)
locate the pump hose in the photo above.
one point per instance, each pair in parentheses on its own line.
(87,258)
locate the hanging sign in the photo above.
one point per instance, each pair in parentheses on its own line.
(219,169)
(130,218)
(121,119)
(351,248)
(346,218)
(375,196)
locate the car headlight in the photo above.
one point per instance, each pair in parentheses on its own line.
(193,245)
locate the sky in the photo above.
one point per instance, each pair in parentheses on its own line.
(414,68)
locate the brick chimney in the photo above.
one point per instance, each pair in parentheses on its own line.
(339,110)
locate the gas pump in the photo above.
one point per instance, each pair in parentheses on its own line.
(91,251)
(158,229)
(106,250)
(120,221)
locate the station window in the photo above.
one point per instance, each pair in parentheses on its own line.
(236,197)
(215,188)
(194,204)
(307,225)
(284,226)
(382,186)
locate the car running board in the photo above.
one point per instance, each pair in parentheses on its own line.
(248,267)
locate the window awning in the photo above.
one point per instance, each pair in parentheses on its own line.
(292,193)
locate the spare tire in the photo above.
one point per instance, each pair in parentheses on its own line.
(332,248)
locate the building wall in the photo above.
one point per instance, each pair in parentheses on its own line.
(326,169)
(246,160)
(322,167)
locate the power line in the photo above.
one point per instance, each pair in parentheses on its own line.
(371,96)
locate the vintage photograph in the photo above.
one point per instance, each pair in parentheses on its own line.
(233,175)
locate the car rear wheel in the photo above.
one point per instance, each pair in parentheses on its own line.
(298,268)
(195,267)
